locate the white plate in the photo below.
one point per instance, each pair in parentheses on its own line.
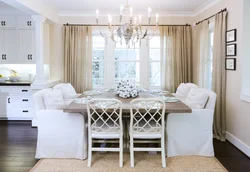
(92,93)
(82,100)
(170,99)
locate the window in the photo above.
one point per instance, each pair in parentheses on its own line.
(112,63)
(98,61)
(210,61)
(154,62)
(127,63)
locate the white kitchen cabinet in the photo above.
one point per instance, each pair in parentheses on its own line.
(25,22)
(8,45)
(17,40)
(8,22)
(16,103)
(4,105)
(26,46)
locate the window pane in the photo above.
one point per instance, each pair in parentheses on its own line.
(98,41)
(154,54)
(127,70)
(124,46)
(98,73)
(155,74)
(98,54)
(155,42)
(129,54)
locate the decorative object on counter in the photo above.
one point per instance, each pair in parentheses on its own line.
(14,77)
(231,64)
(2,78)
(231,50)
(231,35)
(127,89)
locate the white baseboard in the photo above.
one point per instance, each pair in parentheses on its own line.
(238,143)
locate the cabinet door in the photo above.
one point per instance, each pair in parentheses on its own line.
(27,45)
(2,46)
(25,22)
(8,22)
(5,106)
(8,44)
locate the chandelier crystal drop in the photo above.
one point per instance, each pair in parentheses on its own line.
(130,31)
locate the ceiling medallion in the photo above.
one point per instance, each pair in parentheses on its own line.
(129,31)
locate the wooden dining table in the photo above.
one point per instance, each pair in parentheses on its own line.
(176,107)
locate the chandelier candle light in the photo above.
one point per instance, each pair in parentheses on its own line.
(129,31)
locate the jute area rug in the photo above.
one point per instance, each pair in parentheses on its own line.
(109,162)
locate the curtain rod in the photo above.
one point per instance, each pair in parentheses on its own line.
(225,9)
(67,24)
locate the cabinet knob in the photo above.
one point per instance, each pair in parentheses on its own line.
(4,23)
(8,100)
(31,56)
(5,58)
(28,57)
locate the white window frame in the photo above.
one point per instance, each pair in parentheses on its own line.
(109,61)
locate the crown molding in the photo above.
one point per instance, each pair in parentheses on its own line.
(194,13)
(205,6)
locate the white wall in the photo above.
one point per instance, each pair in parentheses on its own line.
(237,112)
(245,94)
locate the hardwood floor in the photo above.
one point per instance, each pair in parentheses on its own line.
(18,146)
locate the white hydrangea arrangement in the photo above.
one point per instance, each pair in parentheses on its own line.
(127,89)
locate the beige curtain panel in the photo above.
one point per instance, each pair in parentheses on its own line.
(202,41)
(78,57)
(219,75)
(176,55)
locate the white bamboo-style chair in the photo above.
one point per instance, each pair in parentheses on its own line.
(105,122)
(147,121)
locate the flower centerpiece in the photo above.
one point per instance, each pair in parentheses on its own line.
(127,89)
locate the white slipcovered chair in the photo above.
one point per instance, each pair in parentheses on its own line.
(183,90)
(192,133)
(60,134)
(105,122)
(147,121)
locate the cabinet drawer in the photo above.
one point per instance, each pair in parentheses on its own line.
(22,90)
(5,89)
(21,100)
(22,112)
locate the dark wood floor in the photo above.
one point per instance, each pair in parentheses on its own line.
(18,145)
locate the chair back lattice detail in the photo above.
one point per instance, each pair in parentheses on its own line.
(147,116)
(104,116)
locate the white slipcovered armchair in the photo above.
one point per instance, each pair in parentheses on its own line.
(192,133)
(60,134)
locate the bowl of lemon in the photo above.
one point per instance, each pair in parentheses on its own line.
(2,78)
(14,77)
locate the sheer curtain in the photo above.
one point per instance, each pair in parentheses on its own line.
(219,75)
(78,57)
(176,54)
(202,31)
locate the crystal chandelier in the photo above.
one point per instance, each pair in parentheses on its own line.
(129,31)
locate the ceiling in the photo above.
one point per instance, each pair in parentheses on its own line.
(113,5)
